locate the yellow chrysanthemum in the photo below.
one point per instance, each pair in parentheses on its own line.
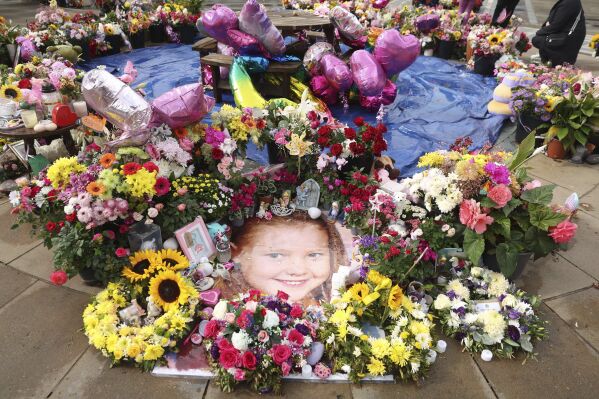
(143,264)
(60,171)
(376,367)
(400,354)
(153,352)
(431,159)
(141,183)
(172,259)
(380,348)
(417,327)
(168,289)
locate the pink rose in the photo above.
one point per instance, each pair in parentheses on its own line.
(182,191)
(251,306)
(285,369)
(239,375)
(121,252)
(472,217)
(59,277)
(563,232)
(224,344)
(296,311)
(248,359)
(159,206)
(280,353)
(212,329)
(500,194)
(532,184)
(228,358)
(181,207)
(295,337)
(230,317)
(263,336)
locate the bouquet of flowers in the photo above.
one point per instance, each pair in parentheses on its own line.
(235,127)
(356,193)
(489,41)
(347,143)
(259,339)
(213,197)
(138,319)
(482,310)
(48,16)
(375,329)
(450,28)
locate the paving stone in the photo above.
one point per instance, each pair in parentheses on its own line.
(552,276)
(578,178)
(560,194)
(581,311)
(454,375)
(590,202)
(565,367)
(12,283)
(13,243)
(41,339)
(37,262)
(293,390)
(582,250)
(92,377)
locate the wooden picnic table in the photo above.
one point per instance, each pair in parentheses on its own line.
(294,21)
(29,136)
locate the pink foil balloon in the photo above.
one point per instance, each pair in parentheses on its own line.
(313,55)
(323,90)
(372,103)
(253,20)
(368,73)
(337,72)
(222,48)
(181,106)
(380,4)
(246,44)
(218,21)
(347,24)
(395,52)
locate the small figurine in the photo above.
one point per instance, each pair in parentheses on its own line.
(285,198)
(334,212)
(302,193)
(262,211)
(153,309)
(131,315)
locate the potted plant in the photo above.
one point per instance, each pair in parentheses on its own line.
(447,35)
(489,44)
(137,23)
(236,218)
(265,188)
(8,45)
(532,108)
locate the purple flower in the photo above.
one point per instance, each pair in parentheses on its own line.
(368,242)
(214,352)
(302,328)
(514,314)
(498,173)
(214,137)
(545,117)
(514,333)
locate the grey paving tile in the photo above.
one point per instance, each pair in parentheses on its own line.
(578,178)
(12,283)
(590,202)
(37,262)
(565,367)
(293,390)
(13,243)
(582,250)
(92,377)
(581,311)
(41,339)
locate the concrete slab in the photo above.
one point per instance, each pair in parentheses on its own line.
(12,283)
(582,250)
(92,377)
(454,375)
(13,243)
(590,202)
(552,276)
(41,339)
(37,262)
(579,178)
(581,311)
(559,193)
(566,367)
(292,390)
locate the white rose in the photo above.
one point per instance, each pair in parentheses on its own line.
(509,300)
(152,212)
(271,319)
(442,302)
(68,209)
(240,340)
(470,318)
(476,271)
(220,310)
(346,368)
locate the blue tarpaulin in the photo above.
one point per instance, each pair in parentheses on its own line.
(437,100)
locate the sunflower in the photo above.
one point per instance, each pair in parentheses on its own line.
(143,264)
(12,92)
(107,160)
(173,260)
(95,188)
(494,39)
(168,289)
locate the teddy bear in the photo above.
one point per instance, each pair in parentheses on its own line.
(68,52)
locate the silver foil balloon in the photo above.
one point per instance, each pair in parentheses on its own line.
(347,23)
(313,55)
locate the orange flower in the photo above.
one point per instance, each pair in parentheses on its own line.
(181,132)
(95,188)
(107,160)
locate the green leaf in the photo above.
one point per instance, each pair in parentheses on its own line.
(474,245)
(525,149)
(562,133)
(510,342)
(539,195)
(487,202)
(505,224)
(544,217)
(538,242)
(507,257)
(510,206)
(580,137)
(574,124)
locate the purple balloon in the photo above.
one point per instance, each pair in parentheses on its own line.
(253,20)
(323,90)
(222,48)
(181,106)
(246,44)
(368,73)
(218,21)
(426,23)
(337,72)
(372,103)
(395,52)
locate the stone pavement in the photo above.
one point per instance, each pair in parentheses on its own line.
(45,354)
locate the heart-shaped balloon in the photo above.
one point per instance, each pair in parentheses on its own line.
(395,52)
(210,297)
(368,73)
(62,115)
(337,72)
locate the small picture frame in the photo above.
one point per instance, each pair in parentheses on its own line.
(18,148)
(195,241)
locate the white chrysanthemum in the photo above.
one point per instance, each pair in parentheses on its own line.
(354,331)
(240,340)
(442,302)
(493,324)
(454,320)
(523,308)
(357,351)
(424,339)
(346,368)
(415,367)
(498,284)
(509,300)
(470,318)
(15,198)
(459,289)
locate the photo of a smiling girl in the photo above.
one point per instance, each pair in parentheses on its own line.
(295,254)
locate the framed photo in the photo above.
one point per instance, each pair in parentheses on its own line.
(18,148)
(195,241)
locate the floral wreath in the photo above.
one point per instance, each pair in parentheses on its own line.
(483,311)
(138,319)
(374,329)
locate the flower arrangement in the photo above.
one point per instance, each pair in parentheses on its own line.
(138,320)
(213,197)
(483,310)
(258,339)
(366,140)
(235,127)
(375,329)
(356,193)
(489,41)
(450,28)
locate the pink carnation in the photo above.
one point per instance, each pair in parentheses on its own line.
(500,194)
(563,232)
(471,216)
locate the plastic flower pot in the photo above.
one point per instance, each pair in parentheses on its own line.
(363,162)
(157,33)
(88,276)
(187,33)
(445,49)
(555,149)
(138,39)
(116,42)
(484,65)
(275,154)
(236,221)
(526,123)
(490,261)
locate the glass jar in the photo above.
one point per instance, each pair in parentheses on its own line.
(144,236)
(223,250)
(50,97)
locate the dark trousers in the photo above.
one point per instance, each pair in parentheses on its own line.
(509,6)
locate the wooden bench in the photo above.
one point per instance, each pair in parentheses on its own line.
(282,69)
(205,46)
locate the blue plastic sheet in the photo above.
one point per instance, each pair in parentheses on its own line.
(437,101)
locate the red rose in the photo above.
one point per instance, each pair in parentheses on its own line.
(248,360)
(296,337)
(336,149)
(25,84)
(312,115)
(280,353)
(150,166)
(323,141)
(381,128)
(59,277)
(228,358)
(359,121)
(384,239)
(50,226)
(217,154)
(367,136)
(350,133)
(393,233)
(123,228)
(212,329)
(121,252)
(282,295)
(296,311)
(244,319)
(71,217)
(324,130)
(260,124)
(224,344)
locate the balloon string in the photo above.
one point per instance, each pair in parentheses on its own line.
(344,101)
(381,112)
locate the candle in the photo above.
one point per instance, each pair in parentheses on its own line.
(441,280)
(29,118)
(306,371)
(80,108)
(431,356)
(441,346)
(486,355)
